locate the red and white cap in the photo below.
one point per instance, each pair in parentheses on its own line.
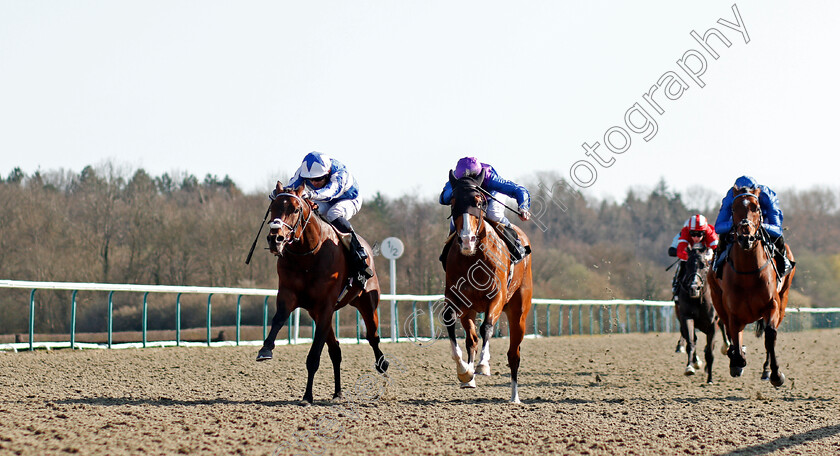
(697,223)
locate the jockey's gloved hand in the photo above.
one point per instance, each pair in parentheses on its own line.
(524,215)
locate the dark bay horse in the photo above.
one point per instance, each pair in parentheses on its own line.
(696,311)
(481,278)
(749,290)
(313,272)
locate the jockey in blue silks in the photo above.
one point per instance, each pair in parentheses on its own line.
(494,184)
(333,188)
(772,217)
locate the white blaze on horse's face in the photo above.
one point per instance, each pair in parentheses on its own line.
(468,234)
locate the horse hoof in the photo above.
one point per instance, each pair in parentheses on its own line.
(264,354)
(305,403)
(469,384)
(483,369)
(466,377)
(765,375)
(337,397)
(736,371)
(724,350)
(689,370)
(697,364)
(680,349)
(777,382)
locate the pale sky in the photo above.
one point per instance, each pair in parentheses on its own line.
(400,90)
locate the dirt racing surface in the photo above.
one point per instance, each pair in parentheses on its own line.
(595,395)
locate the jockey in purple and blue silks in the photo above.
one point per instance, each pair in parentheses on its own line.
(495,184)
(771,213)
(333,188)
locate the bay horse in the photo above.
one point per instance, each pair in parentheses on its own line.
(696,311)
(480,277)
(748,290)
(313,274)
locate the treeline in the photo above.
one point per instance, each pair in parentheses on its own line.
(107,224)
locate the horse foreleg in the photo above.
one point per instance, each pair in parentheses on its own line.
(280,317)
(335,356)
(471,340)
(460,366)
(737,360)
(484,359)
(777,378)
(313,359)
(726,342)
(687,330)
(709,351)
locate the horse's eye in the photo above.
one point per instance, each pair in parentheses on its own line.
(297,210)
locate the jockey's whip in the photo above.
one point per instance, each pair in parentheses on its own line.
(254,245)
(672,265)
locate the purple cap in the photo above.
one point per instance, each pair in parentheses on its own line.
(467,166)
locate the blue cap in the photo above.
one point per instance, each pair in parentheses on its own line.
(745,182)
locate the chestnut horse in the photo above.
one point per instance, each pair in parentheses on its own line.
(696,311)
(749,290)
(480,278)
(313,272)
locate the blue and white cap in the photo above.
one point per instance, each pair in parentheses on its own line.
(315,164)
(745,182)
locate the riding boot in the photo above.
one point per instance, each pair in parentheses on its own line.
(445,253)
(676,282)
(783,264)
(721,252)
(358,256)
(514,244)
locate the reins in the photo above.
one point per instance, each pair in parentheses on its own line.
(515,211)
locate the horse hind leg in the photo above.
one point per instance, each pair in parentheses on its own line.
(484,359)
(367,309)
(777,378)
(710,353)
(335,356)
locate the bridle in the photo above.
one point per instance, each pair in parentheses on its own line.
(479,211)
(750,240)
(297,229)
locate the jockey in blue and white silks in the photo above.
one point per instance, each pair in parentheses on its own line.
(772,217)
(495,185)
(333,188)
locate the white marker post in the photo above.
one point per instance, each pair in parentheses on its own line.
(392,248)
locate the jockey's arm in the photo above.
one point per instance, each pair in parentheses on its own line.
(512,190)
(771,211)
(446,194)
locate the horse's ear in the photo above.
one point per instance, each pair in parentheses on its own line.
(452,179)
(480,178)
(299,190)
(279,187)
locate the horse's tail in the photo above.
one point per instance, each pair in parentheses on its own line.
(759,328)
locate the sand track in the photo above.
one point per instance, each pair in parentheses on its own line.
(597,395)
